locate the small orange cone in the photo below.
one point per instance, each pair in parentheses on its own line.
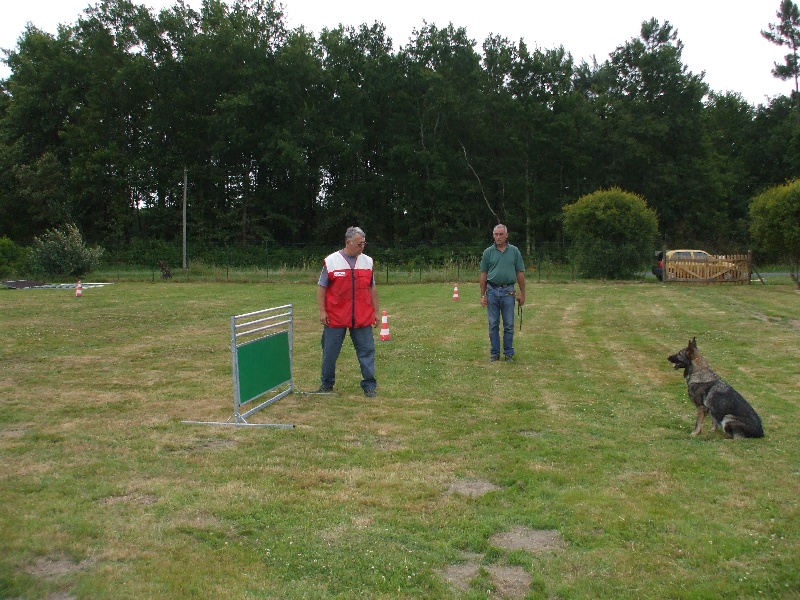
(78,290)
(455,293)
(385,336)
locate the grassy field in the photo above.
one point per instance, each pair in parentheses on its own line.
(583,443)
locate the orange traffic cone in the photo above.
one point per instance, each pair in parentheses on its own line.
(385,337)
(455,293)
(78,290)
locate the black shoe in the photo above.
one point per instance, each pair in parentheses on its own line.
(370,393)
(324,389)
(509,358)
(494,358)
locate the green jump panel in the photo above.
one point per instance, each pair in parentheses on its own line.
(263,364)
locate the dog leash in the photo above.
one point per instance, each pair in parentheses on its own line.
(519,307)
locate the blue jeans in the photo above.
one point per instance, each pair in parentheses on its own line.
(363,342)
(501,303)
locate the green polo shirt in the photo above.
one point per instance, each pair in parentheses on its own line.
(501,268)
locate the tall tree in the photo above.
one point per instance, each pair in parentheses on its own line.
(534,135)
(786,32)
(656,144)
(551,132)
(729,121)
(360,78)
(40,96)
(105,133)
(291,101)
(213,107)
(774,144)
(443,80)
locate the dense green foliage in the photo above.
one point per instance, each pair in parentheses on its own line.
(63,252)
(775,223)
(285,137)
(612,232)
(10,257)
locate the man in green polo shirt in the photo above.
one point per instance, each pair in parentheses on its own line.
(501,268)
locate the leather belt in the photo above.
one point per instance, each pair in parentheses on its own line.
(494,285)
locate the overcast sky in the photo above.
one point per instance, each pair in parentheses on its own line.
(722,39)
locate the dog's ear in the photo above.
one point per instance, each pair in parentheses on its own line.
(693,343)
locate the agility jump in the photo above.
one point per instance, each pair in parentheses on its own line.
(261,349)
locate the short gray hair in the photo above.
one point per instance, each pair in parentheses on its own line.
(353,232)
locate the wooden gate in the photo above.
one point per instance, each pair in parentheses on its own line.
(734,268)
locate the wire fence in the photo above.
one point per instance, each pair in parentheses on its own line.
(421,263)
(427,263)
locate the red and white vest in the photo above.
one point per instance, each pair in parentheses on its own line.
(346,284)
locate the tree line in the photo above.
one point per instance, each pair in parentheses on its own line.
(285,137)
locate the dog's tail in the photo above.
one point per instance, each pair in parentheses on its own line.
(738,428)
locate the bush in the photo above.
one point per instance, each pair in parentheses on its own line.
(63,252)
(613,234)
(10,258)
(775,223)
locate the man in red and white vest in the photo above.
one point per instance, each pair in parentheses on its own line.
(348,301)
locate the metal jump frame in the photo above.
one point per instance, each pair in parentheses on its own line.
(256,328)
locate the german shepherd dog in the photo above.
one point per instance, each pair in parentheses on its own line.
(711,394)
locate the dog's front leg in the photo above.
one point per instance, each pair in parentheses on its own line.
(701,417)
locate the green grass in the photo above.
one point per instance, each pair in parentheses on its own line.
(104,493)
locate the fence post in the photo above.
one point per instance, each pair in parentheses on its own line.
(539,266)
